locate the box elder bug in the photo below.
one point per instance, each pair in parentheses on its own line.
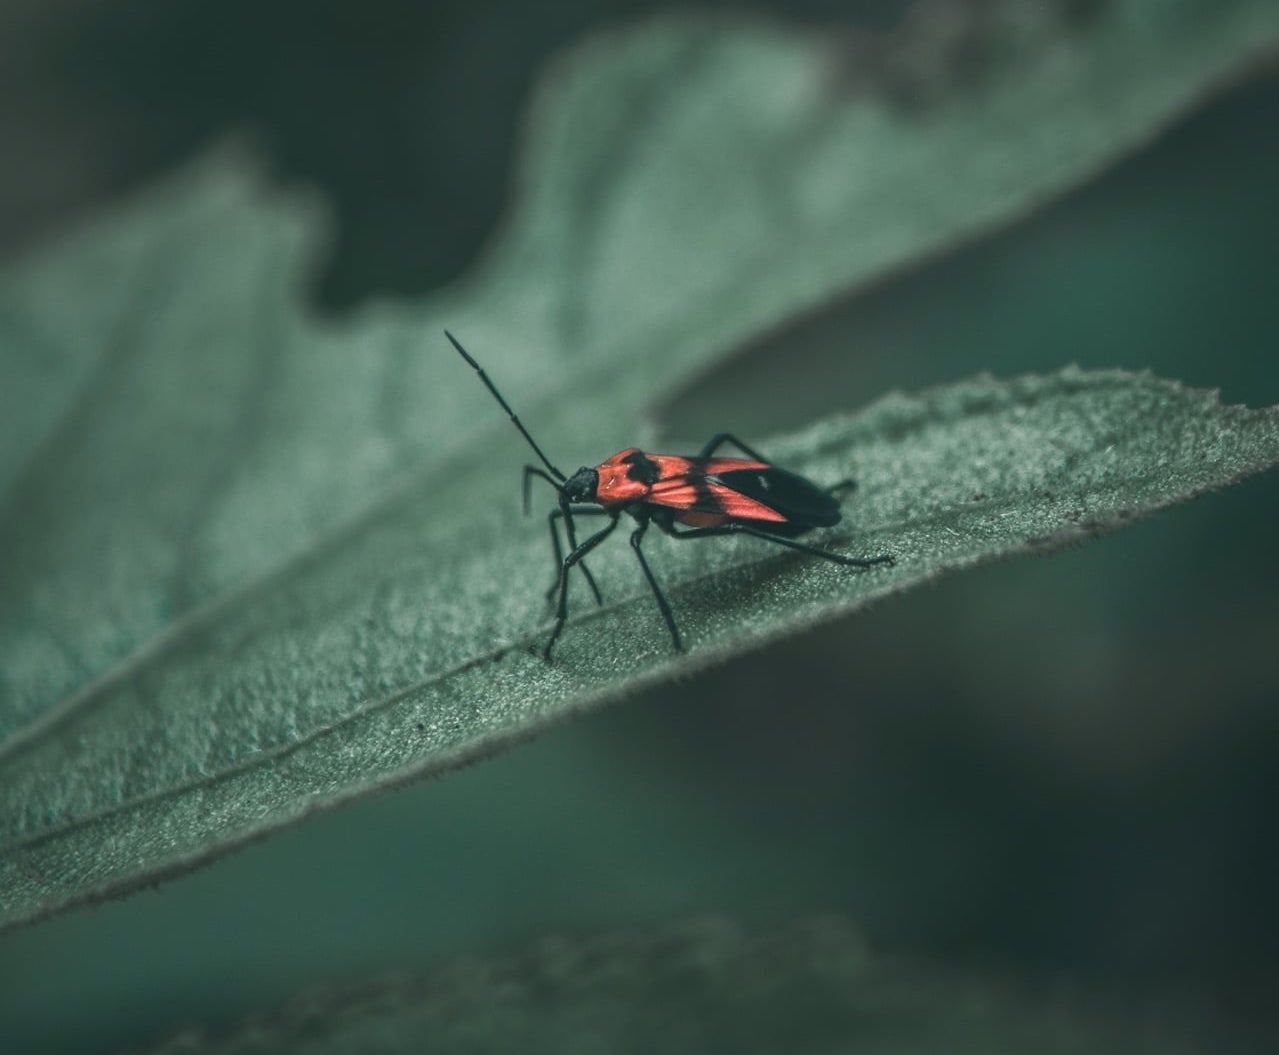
(705,495)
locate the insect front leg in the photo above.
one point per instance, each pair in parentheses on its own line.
(529,472)
(566,513)
(637,539)
(561,613)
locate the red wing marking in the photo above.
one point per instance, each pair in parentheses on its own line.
(698,494)
(738,507)
(715,466)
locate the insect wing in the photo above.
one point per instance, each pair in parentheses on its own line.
(708,497)
(703,488)
(789,496)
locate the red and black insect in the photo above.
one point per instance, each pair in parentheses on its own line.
(705,495)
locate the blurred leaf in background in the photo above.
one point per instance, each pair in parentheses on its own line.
(1023,768)
(703,987)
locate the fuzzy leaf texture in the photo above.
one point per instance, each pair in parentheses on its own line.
(254,565)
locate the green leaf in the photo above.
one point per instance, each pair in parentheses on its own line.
(255,565)
(402,646)
(704,987)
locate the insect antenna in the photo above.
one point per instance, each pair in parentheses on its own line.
(506,406)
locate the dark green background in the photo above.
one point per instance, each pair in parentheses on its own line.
(1058,766)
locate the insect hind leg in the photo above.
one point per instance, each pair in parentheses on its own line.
(800,547)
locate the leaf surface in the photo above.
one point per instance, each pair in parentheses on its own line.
(255,565)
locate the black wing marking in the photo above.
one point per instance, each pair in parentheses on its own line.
(800,501)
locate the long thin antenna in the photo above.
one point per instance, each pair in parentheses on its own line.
(505,406)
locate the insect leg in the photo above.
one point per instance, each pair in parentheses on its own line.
(533,470)
(564,511)
(561,614)
(747,529)
(637,538)
(567,517)
(721,438)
